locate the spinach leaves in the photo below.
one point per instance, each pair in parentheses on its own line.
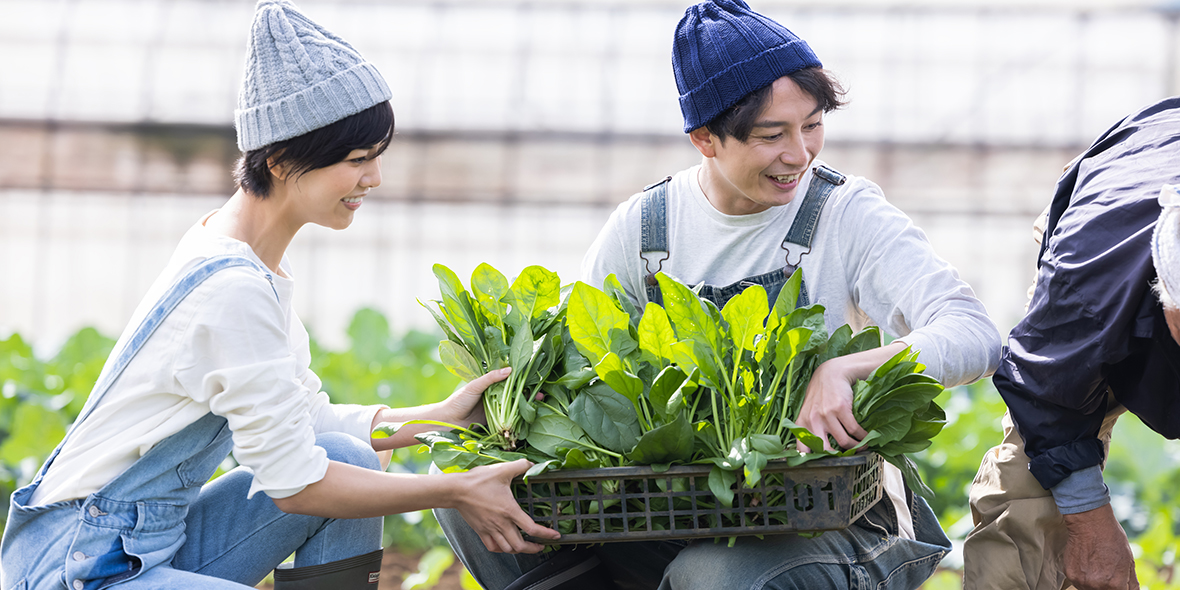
(596,383)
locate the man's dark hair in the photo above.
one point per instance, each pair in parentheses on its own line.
(738,121)
(315,149)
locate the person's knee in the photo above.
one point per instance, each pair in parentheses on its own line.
(348,449)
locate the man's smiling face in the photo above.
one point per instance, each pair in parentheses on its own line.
(741,178)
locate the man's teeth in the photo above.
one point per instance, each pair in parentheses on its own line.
(784,178)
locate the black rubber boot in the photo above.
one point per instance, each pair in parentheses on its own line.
(355,573)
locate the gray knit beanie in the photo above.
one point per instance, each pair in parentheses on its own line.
(299,77)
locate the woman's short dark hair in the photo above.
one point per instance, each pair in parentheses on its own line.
(738,121)
(315,149)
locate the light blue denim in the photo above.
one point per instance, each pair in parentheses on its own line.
(868,554)
(160,524)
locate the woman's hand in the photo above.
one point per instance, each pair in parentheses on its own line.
(462,408)
(488,506)
(827,407)
(465,406)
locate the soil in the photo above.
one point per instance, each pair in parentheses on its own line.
(396,566)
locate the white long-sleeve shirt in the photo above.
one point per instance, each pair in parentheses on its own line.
(868,265)
(230,348)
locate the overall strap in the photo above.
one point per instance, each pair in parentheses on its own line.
(653,234)
(824,180)
(116,363)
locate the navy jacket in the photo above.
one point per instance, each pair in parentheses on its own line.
(1094,322)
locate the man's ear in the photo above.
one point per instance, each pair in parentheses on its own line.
(704,141)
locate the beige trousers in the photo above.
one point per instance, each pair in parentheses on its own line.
(1019,537)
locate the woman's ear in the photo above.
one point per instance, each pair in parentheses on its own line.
(704,141)
(276,169)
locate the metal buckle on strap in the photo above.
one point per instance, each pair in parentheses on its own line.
(651,275)
(787,256)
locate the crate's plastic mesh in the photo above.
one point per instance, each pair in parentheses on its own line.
(636,503)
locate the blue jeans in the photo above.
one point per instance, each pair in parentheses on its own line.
(868,554)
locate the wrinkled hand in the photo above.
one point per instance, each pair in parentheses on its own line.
(488,506)
(827,407)
(465,405)
(1097,554)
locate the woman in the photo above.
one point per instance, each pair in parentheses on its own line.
(216,360)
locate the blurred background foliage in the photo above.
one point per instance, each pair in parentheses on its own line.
(39,398)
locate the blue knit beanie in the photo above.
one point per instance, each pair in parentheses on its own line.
(299,77)
(724,51)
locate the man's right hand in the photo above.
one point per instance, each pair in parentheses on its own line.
(1097,554)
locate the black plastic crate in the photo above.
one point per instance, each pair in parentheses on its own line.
(639,504)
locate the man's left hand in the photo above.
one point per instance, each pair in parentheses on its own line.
(1097,554)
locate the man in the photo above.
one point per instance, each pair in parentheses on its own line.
(754,97)
(1096,340)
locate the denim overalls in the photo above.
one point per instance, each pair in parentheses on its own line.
(134,529)
(868,554)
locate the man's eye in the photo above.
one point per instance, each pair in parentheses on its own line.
(774,137)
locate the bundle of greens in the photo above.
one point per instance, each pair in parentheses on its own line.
(596,383)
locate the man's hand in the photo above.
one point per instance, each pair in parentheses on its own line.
(827,407)
(488,506)
(1097,554)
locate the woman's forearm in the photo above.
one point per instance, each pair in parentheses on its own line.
(348,491)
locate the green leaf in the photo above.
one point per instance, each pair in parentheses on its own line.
(689,316)
(672,442)
(804,435)
(788,298)
(579,459)
(607,417)
(551,432)
(656,336)
(614,373)
(666,384)
(591,316)
(721,484)
(746,314)
(539,468)
(768,444)
(456,308)
(611,286)
(754,462)
(489,287)
(459,361)
(522,350)
(867,339)
(533,292)
(578,378)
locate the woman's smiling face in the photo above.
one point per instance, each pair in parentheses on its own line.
(331,195)
(741,178)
